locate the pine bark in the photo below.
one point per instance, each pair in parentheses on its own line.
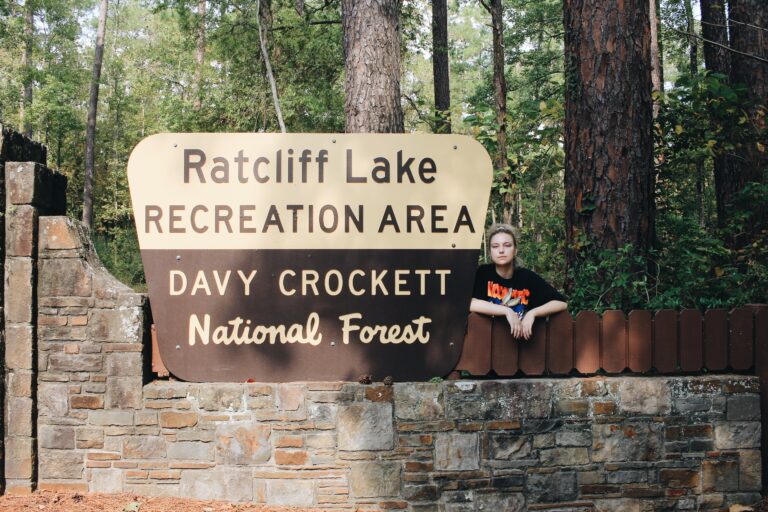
(714,28)
(440,66)
(93,103)
(372,66)
(608,123)
(717,59)
(496,10)
(748,24)
(749,35)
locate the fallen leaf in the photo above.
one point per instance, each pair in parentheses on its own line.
(132,507)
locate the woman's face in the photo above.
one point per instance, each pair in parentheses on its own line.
(503,249)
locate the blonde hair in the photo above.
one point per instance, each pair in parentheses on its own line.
(508,229)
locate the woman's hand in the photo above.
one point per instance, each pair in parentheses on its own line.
(515,325)
(527,324)
(550,308)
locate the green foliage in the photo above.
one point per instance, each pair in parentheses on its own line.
(120,254)
(148,87)
(674,38)
(693,270)
(306,57)
(609,280)
(533,176)
(691,267)
(702,118)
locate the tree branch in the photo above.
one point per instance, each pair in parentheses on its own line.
(715,43)
(424,118)
(294,27)
(325,5)
(733,21)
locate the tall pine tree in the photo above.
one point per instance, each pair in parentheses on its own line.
(608,121)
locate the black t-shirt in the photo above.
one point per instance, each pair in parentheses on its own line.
(524,291)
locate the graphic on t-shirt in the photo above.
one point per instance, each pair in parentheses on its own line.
(515,299)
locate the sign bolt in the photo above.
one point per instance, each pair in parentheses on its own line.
(333,343)
(178,257)
(178,347)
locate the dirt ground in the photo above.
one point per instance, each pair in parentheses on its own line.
(47,501)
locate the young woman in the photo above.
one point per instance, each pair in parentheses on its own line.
(503,289)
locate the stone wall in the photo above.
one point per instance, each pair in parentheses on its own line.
(91,330)
(596,444)
(18,379)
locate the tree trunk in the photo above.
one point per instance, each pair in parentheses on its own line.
(657,70)
(26,69)
(268,66)
(608,122)
(693,69)
(693,44)
(509,208)
(440,66)
(713,28)
(93,102)
(59,143)
(717,60)
(748,23)
(372,66)
(749,35)
(199,55)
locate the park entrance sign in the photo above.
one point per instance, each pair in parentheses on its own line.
(284,257)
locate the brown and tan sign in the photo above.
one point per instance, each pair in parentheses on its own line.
(283,257)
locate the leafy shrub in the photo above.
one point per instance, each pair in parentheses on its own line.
(120,254)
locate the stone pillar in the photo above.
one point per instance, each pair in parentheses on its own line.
(14,147)
(31,190)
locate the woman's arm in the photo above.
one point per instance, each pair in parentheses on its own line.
(489,308)
(546,309)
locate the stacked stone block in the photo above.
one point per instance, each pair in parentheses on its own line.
(13,148)
(687,443)
(90,330)
(31,190)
